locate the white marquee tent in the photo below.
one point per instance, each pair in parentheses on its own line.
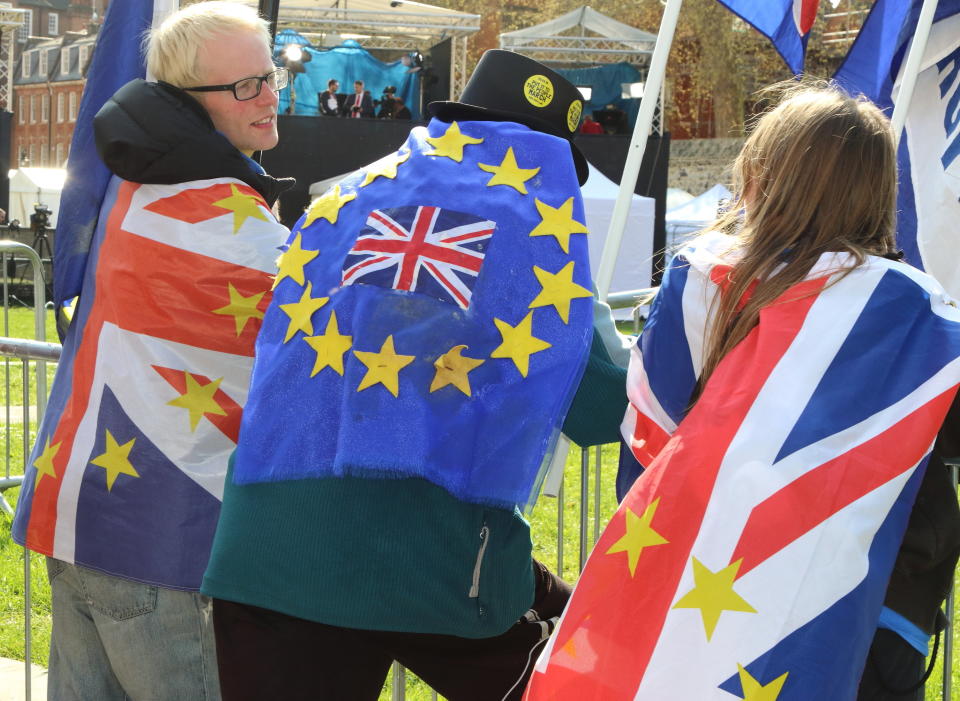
(30,186)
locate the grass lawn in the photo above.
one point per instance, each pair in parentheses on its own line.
(544,526)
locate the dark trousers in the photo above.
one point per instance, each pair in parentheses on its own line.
(264,654)
(893,670)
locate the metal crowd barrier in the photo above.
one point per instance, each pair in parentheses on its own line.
(41,352)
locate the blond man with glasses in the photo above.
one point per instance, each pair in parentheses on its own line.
(128,470)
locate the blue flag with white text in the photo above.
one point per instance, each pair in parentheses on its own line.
(928,205)
(117,59)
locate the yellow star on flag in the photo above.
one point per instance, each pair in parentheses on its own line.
(241,308)
(451,144)
(452,369)
(242,206)
(327,206)
(199,399)
(639,535)
(558,223)
(116,460)
(509,173)
(754,691)
(558,289)
(384,168)
(330,347)
(44,463)
(713,594)
(291,262)
(519,343)
(383,367)
(300,312)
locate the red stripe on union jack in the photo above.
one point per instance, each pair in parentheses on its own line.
(425,249)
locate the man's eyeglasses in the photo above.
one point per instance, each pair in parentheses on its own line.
(249,88)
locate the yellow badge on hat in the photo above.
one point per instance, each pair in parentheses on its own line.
(573,114)
(538,90)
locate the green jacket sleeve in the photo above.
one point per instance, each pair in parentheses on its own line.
(601,400)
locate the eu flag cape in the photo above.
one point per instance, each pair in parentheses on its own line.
(752,556)
(127,473)
(431,318)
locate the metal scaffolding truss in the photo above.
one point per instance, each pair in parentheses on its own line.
(585,37)
(401,25)
(11,20)
(582,36)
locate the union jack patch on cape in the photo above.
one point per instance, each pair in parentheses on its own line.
(434,251)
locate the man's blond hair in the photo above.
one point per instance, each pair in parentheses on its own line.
(173,46)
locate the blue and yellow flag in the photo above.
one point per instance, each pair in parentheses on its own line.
(431,318)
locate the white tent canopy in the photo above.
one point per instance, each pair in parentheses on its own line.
(695,214)
(634,265)
(30,186)
(582,36)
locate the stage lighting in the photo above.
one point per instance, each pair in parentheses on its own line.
(631,90)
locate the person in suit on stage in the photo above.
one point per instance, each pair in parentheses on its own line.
(330,100)
(359,103)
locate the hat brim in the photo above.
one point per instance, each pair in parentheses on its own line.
(450,111)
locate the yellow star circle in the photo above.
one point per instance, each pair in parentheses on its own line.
(557,290)
(452,369)
(328,206)
(558,223)
(509,173)
(383,367)
(329,347)
(384,168)
(519,343)
(292,260)
(451,144)
(301,311)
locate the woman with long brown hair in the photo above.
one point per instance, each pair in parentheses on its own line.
(784,396)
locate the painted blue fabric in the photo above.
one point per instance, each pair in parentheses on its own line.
(485,447)
(346,64)
(606,84)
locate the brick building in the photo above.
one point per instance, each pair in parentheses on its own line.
(54,49)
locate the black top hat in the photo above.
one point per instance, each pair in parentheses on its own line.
(509,87)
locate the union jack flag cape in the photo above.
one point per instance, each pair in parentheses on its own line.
(751,558)
(127,473)
(430,319)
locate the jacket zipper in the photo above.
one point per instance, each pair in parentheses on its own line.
(475,584)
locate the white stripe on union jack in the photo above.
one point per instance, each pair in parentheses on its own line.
(446,245)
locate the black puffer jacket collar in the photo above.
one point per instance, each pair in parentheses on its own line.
(156,133)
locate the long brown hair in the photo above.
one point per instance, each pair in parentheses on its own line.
(817,174)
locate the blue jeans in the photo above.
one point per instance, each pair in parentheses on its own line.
(118,640)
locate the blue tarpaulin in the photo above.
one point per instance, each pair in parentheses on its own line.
(347,63)
(605,81)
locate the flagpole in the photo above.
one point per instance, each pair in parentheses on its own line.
(912,67)
(638,144)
